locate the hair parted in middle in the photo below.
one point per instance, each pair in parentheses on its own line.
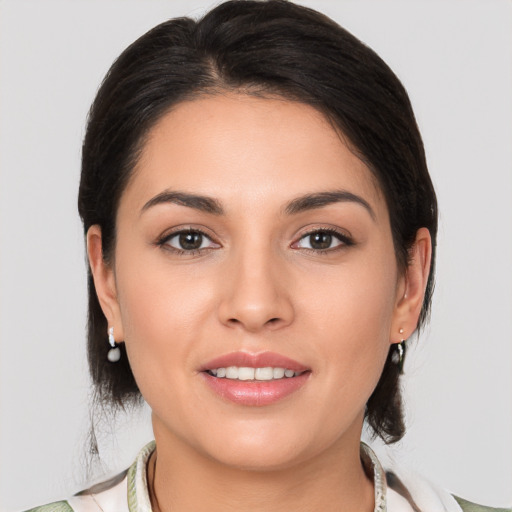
(268,49)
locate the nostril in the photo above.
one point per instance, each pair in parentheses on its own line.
(270,322)
(273,323)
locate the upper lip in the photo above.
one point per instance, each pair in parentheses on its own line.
(260,360)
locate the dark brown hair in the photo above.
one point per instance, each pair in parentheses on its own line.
(266,48)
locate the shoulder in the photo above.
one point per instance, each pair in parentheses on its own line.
(59,506)
(125,492)
(109,496)
(467,506)
(421,494)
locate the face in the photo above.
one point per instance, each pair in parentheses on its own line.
(251,238)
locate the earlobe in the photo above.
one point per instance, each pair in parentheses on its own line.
(412,291)
(104,280)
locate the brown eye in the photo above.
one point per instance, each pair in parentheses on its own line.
(323,240)
(320,240)
(190,241)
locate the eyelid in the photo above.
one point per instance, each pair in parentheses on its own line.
(163,240)
(344,237)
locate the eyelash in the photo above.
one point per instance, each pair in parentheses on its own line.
(346,241)
(163,242)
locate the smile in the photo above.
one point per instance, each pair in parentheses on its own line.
(254,379)
(245,373)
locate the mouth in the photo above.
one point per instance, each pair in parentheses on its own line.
(246,373)
(254,379)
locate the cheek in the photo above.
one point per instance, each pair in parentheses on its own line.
(155,295)
(164,312)
(356,300)
(352,327)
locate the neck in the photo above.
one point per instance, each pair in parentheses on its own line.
(181,479)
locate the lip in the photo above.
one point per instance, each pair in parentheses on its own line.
(255,393)
(261,360)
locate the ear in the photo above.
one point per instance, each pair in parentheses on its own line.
(104,281)
(411,288)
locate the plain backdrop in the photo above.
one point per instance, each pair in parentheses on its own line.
(455,59)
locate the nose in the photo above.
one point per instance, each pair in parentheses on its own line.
(256,293)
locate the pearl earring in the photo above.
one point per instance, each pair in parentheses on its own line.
(114,354)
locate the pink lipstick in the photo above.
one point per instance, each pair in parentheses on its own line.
(254,379)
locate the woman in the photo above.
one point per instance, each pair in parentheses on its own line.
(255,187)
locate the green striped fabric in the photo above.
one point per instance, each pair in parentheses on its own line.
(467,506)
(59,506)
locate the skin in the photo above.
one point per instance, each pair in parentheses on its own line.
(256,285)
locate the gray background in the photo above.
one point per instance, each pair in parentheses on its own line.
(455,59)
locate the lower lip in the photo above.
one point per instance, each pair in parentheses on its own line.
(255,393)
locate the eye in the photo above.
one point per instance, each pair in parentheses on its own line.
(323,240)
(189,241)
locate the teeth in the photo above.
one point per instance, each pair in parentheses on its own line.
(264,373)
(278,373)
(246,373)
(232,372)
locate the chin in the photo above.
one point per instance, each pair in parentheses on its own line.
(256,459)
(266,447)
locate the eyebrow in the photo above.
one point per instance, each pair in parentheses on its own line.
(201,203)
(321,199)
(300,204)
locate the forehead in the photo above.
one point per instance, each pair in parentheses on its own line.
(232,146)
